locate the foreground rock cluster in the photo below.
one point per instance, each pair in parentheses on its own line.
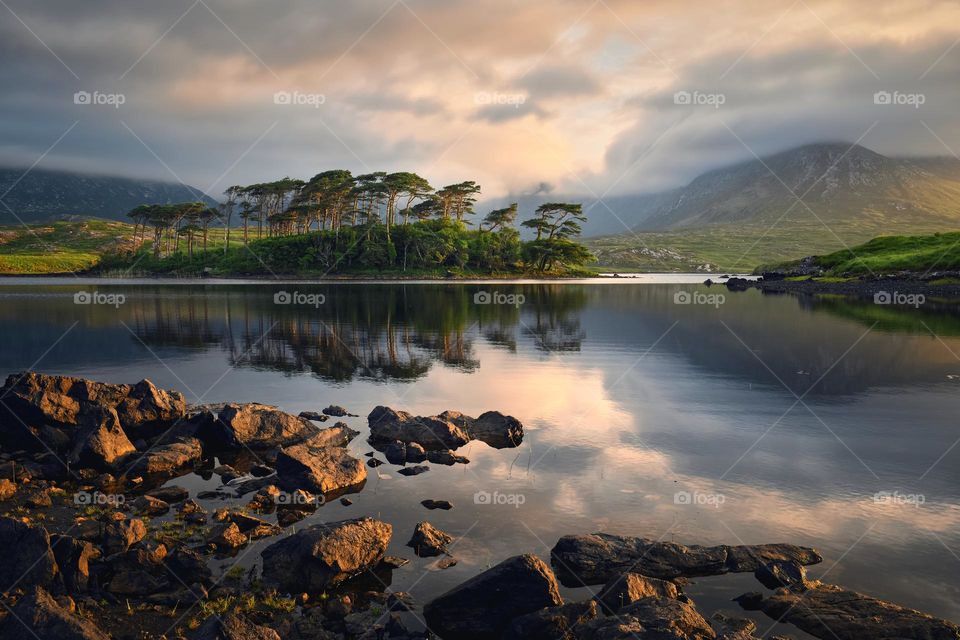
(101,542)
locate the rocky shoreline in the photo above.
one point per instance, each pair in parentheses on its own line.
(102,543)
(867,288)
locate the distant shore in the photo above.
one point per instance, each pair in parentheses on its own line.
(879,288)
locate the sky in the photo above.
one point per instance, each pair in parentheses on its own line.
(523,96)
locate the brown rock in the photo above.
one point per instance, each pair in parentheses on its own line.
(630,587)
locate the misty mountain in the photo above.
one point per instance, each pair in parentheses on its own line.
(41,195)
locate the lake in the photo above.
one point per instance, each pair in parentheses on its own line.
(652,407)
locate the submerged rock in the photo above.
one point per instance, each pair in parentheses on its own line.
(483,607)
(324,555)
(599,557)
(38,615)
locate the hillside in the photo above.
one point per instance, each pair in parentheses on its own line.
(41,196)
(60,247)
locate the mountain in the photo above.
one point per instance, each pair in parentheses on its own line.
(41,195)
(740,216)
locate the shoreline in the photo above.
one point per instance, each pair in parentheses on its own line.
(853,288)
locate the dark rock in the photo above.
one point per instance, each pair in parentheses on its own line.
(227,536)
(166,459)
(446,457)
(315,416)
(373,463)
(493,428)
(188,567)
(830,611)
(101,441)
(396,453)
(171,495)
(32,563)
(336,411)
(599,557)
(630,587)
(551,623)
(118,536)
(38,498)
(484,606)
(261,471)
(428,541)
(394,562)
(151,506)
(387,425)
(655,618)
(446,562)
(733,628)
(415,453)
(233,626)
(73,558)
(261,426)
(320,470)
(38,615)
(774,575)
(346,502)
(413,471)
(287,517)
(437,504)
(324,555)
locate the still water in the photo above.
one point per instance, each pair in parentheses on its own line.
(666,410)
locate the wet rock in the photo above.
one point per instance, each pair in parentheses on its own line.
(326,554)
(428,541)
(652,617)
(320,470)
(73,558)
(102,442)
(551,623)
(493,428)
(415,453)
(729,627)
(339,435)
(346,502)
(434,432)
(166,459)
(484,606)
(227,536)
(630,587)
(396,453)
(373,463)
(446,457)
(150,506)
(336,411)
(774,575)
(171,495)
(233,626)
(599,557)
(33,563)
(261,471)
(830,611)
(437,504)
(394,562)
(38,615)
(261,426)
(413,471)
(7,489)
(315,416)
(226,473)
(118,536)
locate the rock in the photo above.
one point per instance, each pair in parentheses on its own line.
(599,557)
(394,562)
(315,416)
(437,504)
(396,453)
(387,425)
(227,536)
(413,471)
(166,459)
(320,470)
(373,463)
(137,582)
(287,517)
(260,426)
(339,435)
(226,473)
(261,471)
(551,623)
(188,567)
(32,563)
(493,428)
(38,615)
(346,502)
(830,611)
(484,606)
(652,617)
(630,587)
(7,489)
(415,453)
(325,555)
(446,562)
(171,495)
(774,575)
(102,442)
(38,498)
(336,411)
(733,628)
(73,558)
(446,457)
(119,535)
(428,541)
(150,506)
(233,626)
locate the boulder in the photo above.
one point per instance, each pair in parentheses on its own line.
(493,428)
(120,535)
(630,587)
(73,558)
(101,441)
(734,628)
(599,557)
(339,435)
(148,505)
(319,470)
(779,573)
(433,432)
(189,567)
(652,617)
(233,626)
(261,426)
(7,488)
(437,504)
(325,555)
(166,459)
(227,536)
(830,611)
(483,607)
(552,623)
(396,453)
(38,615)
(314,416)
(29,559)
(428,541)
(171,495)
(336,411)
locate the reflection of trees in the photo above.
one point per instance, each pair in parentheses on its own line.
(367,331)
